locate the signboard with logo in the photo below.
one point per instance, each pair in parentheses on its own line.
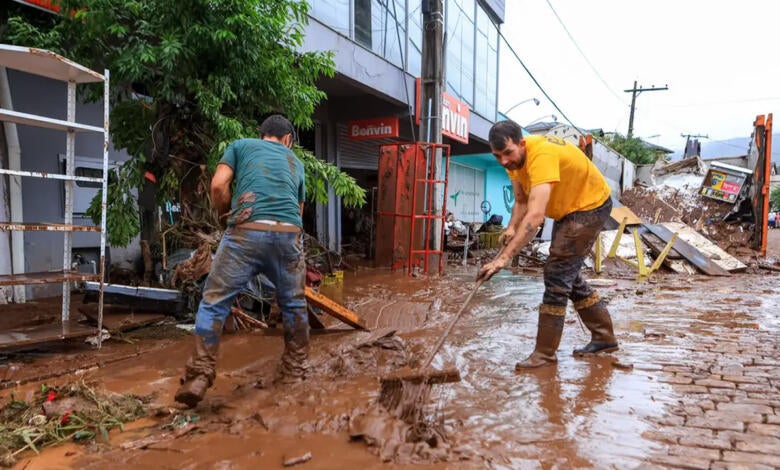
(378,128)
(723,182)
(454,118)
(454,114)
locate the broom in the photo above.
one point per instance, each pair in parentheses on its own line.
(405,393)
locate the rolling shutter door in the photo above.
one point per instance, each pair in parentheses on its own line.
(361,154)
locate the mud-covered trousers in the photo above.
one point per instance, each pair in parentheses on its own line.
(572,238)
(241,255)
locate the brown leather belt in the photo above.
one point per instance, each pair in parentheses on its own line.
(269,227)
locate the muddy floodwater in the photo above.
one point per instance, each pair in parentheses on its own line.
(696,382)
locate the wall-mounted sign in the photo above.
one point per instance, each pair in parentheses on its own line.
(454,114)
(378,128)
(454,118)
(43,4)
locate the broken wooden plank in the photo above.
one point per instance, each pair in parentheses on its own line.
(710,249)
(619,213)
(334,309)
(119,319)
(656,245)
(687,251)
(44,334)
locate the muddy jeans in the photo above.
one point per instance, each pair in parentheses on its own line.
(572,238)
(241,255)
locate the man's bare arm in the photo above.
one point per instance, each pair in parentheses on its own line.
(220,190)
(519,208)
(532,219)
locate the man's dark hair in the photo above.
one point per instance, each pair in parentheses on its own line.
(276,126)
(503,130)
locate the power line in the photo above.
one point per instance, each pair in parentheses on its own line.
(582,53)
(533,78)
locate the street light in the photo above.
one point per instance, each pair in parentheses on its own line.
(536,102)
(552,116)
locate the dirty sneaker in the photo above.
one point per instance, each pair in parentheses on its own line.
(192,391)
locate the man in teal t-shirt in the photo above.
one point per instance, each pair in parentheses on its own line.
(263,236)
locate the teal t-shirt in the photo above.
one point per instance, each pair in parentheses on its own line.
(270,182)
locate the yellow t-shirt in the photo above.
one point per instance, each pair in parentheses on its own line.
(577,184)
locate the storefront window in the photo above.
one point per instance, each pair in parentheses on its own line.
(414,66)
(460,49)
(487,66)
(334,13)
(471,57)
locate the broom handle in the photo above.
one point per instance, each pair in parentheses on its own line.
(455,319)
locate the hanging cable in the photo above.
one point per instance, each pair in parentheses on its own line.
(583,54)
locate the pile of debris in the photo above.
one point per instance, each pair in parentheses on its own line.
(74,412)
(710,198)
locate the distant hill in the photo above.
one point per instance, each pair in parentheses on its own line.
(735,147)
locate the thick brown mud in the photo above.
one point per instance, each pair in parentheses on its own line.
(600,412)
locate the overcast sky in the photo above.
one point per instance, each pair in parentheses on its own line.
(718,58)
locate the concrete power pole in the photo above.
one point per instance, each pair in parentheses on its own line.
(432,70)
(634,93)
(431,99)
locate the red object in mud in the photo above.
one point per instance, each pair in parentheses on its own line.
(51,396)
(65,417)
(313,277)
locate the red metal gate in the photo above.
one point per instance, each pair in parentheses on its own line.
(408,221)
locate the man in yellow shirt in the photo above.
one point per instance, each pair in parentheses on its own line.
(551,177)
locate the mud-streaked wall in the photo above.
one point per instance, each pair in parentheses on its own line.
(44,199)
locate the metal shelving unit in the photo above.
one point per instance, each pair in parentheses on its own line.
(48,64)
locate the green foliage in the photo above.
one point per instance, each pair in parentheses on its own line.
(187,78)
(630,147)
(774,199)
(122,221)
(320,174)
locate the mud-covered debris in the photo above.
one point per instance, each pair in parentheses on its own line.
(74,412)
(297,460)
(396,441)
(385,352)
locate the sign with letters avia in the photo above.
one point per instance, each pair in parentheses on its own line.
(378,128)
(454,118)
(43,4)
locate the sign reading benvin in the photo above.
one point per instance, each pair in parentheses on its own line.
(454,118)
(378,128)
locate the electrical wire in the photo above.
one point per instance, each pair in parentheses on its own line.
(533,78)
(582,53)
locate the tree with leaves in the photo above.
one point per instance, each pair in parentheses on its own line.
(187,78)
(630,147)
(774,199)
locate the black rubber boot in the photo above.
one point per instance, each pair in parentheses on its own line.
(548,338)
(596,318)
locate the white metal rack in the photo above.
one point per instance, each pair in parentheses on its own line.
(48,64)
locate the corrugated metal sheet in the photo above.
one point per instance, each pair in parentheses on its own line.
(361,154)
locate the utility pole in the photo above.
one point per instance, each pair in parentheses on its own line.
(432,70)
(634,93)
(688,138)
(431,102)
